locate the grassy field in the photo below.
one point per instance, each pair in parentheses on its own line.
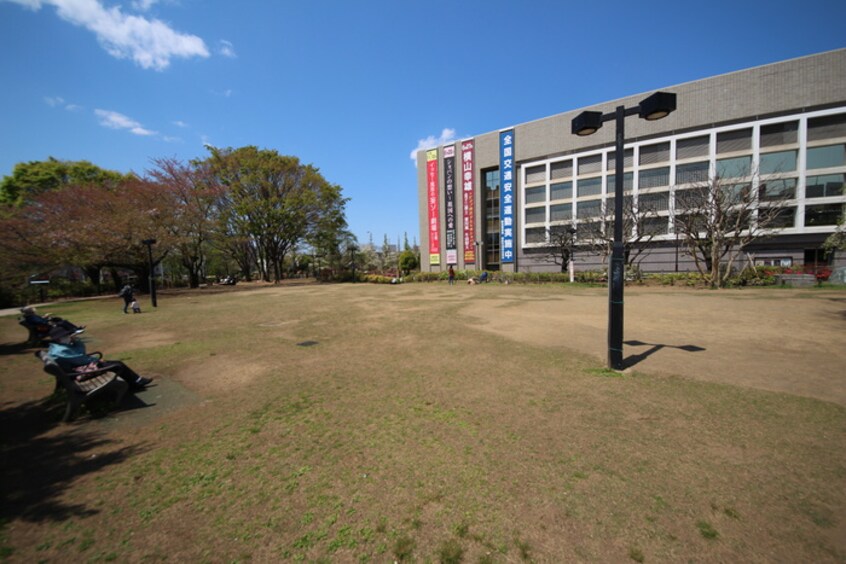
(380,423)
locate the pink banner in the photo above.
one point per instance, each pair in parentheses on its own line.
(434,211)
(467,201)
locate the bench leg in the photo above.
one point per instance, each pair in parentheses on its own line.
(74,403)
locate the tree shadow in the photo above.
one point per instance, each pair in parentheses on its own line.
(634,359)
(41,457)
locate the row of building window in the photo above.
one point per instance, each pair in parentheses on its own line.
(553,195)
(819,129)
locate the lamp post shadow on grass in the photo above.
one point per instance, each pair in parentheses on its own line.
(655,347)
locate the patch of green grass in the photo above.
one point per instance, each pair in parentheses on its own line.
(403,547)
(707,530)
(605,372)
(523,548)
(450,552)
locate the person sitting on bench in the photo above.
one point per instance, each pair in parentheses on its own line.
(69,353)
(43,324)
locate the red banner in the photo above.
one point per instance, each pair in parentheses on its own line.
(434,211)
(468,202)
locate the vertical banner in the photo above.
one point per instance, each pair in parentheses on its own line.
(449,204)
(506,207)
(468,202)
(434,211)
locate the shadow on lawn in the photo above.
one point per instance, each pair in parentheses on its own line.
(16,348)
(630,361)
(39,460)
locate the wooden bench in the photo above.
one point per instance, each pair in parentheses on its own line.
(96,382)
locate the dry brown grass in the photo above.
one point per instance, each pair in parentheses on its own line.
(430,423)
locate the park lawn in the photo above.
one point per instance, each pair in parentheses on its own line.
(378,423)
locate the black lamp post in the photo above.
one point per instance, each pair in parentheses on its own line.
(656,106)
(150,243)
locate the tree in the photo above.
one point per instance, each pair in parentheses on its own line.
(640,225)
(196,193)
(408,261)
(91,226)
(30,179)
(272,202)
(561,239)
(837,240)
(718,219)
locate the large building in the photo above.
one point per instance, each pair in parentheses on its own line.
(489,202)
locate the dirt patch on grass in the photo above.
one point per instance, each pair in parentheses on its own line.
(784,342)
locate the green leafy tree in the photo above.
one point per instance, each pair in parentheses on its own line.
(30,179)
(272,202)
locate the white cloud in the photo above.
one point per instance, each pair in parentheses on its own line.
(143,5)
(58,102)
(226,49)
(115,120)
(169,139)
(447,136)
(151,43)
(180,123)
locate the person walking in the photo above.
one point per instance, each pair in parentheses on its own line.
(128,297)
(451,275)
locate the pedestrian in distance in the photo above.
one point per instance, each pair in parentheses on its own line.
(451,275)
(128,297)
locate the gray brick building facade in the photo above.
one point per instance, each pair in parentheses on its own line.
(783,122)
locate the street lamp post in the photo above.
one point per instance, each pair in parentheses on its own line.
(570,266)
(150,243)
(656,106)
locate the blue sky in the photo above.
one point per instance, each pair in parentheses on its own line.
(354,87)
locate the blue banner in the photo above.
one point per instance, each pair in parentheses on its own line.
(506,193)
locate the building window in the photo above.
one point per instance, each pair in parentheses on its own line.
(774,261)
(628,159)
(535,174)
(561,212)
(654,202)
(785,217)
(490,188)
(536,215)
(827,214)
(692,173)
(561,191)
(734,141)
(775,163)
(778,189)
(779,134)
(589,209)
(562,169)
(654,226)
(590,164)
(590,186)
(824,186)
(692,148)
(827,127)
(653,178)
(536,235)
(826,157)
(655,154)
(739,167)
(536,195)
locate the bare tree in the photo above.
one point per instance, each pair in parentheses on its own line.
(559,250)
(641,223)
(719,218)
